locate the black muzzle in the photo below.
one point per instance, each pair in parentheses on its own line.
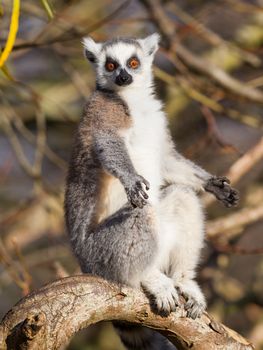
(124,78)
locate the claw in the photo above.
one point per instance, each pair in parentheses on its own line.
(225,179)
(147,184)
(136,193)
(145,195)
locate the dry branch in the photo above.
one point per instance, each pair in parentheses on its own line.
(72,33)
(244,164)
(234,221)
(168,29)
(48,318)
(214,38)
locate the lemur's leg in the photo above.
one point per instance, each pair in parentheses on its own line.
(125,253)
(183,224)
(125,247)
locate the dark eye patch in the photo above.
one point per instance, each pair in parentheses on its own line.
(111,64)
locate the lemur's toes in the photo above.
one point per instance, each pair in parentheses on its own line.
(195,303)
(163,298)
(166,302)
(136,192)
(137,201)
(137,196)
(146,183)
(220,187)
(231,199)
(142,193)
(194,309)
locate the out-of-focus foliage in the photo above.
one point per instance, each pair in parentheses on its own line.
(43,87)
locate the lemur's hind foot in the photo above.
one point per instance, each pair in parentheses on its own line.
(195,301)
(194,308)
(161,292)
(220,187)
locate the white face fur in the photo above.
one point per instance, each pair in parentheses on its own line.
(122,63)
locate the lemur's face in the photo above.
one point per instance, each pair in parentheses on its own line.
(122,63)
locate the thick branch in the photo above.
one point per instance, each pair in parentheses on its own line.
(48,318)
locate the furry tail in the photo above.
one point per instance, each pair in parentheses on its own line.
(136,337)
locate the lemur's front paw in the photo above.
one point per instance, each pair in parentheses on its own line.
(220,187)
(136,193)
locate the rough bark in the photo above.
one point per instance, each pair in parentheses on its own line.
(48,318)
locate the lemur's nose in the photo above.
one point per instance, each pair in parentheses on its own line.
(124,78)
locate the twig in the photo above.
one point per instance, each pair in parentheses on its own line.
(214,38)
(256,82)
(228,225)
(16,213)
(198,96)
(244,164)
(76,78)
(167,27)
(76,34)
(47,8)
(13,139)
(18,273)
(60,271)
(32,170)
(23,267)
(213,130)
(40,141)
(219,76)
(235,249)
(30,137)
(244,6)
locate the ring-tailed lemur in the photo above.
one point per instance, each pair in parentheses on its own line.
(131,204)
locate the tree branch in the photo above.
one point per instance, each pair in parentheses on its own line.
(241,167)
(168,29)
(232,222)
(49,317)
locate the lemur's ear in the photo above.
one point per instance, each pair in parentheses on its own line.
(150,44)
(91,49)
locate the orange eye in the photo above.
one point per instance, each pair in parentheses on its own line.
(110,66)
(134,63)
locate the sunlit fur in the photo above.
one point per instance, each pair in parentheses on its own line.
(174,181)
(121,145)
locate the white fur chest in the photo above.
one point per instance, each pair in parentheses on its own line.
(144,140)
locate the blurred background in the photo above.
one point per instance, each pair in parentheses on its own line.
(209,75)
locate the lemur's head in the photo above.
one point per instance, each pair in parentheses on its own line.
(122,62)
